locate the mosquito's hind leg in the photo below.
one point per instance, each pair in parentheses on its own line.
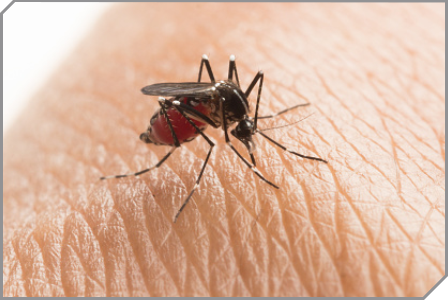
(209,69)
(198,180)
(175,146)
(145,170)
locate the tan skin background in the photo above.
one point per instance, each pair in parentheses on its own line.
(370,223)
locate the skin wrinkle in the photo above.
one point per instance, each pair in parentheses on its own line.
(419,167)
(257,200)
(169,218)
(139,263)
(372,164)
(388,99)
(160,245)
(44,262)
(208,231)
(23,238)
(85,270)
(424,120)
(307,202)
(227,227)
(222,254)
(232,240)
(383,261)
(296,267)
(203,280)
(241,208)
(158,254)
(61,197)
(416,240)
(270,240)
(21,264)
(268,233)
(78,254)
(92,231)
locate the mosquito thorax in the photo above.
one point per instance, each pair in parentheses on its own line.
(235,101)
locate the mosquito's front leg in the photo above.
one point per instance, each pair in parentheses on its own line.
(283,111)
(251,166)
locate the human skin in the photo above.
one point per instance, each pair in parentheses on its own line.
(368,223)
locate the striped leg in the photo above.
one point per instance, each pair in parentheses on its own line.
(209,69)
(203,166)
(145,170)
(176,145)
(232,70)
(251,166)
(258,77)
(290,151)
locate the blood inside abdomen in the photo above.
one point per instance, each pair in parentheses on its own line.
(161,133)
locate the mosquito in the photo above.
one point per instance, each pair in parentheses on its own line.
(192,106)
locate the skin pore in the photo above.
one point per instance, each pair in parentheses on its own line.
(368,223)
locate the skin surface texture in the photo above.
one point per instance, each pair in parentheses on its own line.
(369,223)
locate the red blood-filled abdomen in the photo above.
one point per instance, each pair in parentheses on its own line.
(160,132)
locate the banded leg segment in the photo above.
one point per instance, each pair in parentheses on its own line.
(232,70)
(259,76)
(163,104)
(290,151)
(205,62)
(251,166)
(176,145)
(198,180)
(145,170)
(193,113)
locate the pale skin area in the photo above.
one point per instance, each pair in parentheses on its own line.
(368,223)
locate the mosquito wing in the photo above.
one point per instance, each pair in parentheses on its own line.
(186,89)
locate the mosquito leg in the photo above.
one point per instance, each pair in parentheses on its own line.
(209,69)
(252,158)
(259,76)
(232,69)
(283,111)
(163,103)
(253,83)
(251,166)
(145,170)
(203,166)
(176,145)
(290,151)
(192,113)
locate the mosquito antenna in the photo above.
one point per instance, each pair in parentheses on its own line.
(289,124)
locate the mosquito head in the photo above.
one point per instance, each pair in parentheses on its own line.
(244,132)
